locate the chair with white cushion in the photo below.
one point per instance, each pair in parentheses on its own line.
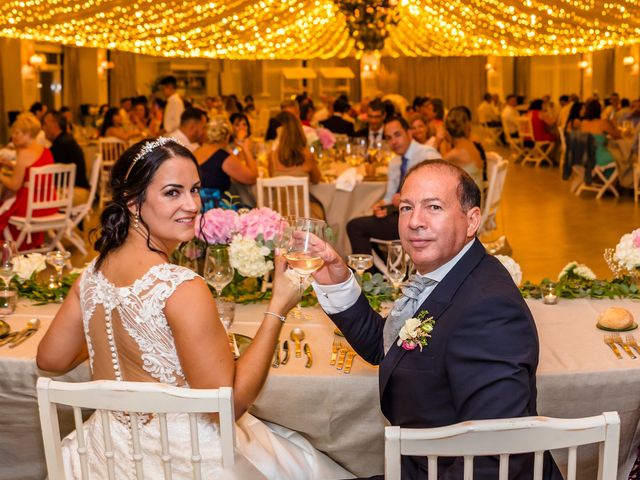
(289,196)
(132,397)
(505,437)
(50,188)
(540,151)
(496,175)
(111,149)
(79,212)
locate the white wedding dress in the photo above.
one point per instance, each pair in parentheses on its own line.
(128,338)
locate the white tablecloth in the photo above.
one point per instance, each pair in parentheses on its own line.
(340,414)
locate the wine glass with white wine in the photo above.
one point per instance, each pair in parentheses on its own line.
(7,295)
(58,258)
(360,262)
(218,273)
(306,245)
(396,264)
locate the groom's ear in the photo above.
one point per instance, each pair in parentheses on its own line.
(474,216)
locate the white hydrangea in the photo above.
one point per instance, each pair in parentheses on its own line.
(578,269)
(26,265)
(627,254)
(248,257)
(512,267)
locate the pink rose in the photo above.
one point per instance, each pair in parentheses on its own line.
(260,221)
(219,226)
(636,238)
(327,138)
(408,345)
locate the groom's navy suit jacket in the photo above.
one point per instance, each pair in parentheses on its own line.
(480,362)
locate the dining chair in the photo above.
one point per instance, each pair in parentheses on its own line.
(287,195)
(496,175)
(111,149)
(491,135)
(79,212)
(540,150)
(113,396)
(505,437)
(50,188)
(603,180)
(515,144)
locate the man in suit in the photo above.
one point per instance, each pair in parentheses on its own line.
(383,224)
(374,131)
(481,357)
(336,122)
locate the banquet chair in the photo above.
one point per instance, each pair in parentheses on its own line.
(50,188)
(110,150)
(515,144)
(491,135)
(540,151)
(130,397)
(504,437)
(79,212)
(603,180)
(496,174)
(289,196)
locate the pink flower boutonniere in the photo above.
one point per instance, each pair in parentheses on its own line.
(416,331)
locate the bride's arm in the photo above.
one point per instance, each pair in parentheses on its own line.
(64,346)
(203,346)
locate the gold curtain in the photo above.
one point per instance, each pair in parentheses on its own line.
(456,80)
(122,77)
(72,95)
(4,120)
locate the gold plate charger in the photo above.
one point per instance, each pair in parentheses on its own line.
(4,329)
(633,326)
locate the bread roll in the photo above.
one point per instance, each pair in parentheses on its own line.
(615,317)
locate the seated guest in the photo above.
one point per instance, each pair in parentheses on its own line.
(218,167)
(214,106)
(189,134)
(174,106)
(99,120)
(39,110)
(566,103)
(463,151)
(290,106)
(433,110)
(68,115)
(541,122)
(383,224)
(574,118)
(510,116)
(487,114)
(113,127)
(126,109)
(599,127)
(374,131)
(419,128)
(336,122)
(143,121)
(65,149)
(29,154)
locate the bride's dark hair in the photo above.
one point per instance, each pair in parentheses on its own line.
(130,177)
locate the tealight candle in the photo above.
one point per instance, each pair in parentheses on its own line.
(549,296)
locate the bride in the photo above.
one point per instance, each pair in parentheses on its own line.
(137,317)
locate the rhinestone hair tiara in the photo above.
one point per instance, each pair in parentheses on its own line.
(147,148)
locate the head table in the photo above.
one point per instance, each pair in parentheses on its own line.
(340,413)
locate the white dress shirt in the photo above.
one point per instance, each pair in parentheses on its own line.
(184,140)
(342,296)
(487,113)
(416,153)
(510,119)
(172,112)
(376,136)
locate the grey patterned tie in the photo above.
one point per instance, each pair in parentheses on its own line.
(404,308)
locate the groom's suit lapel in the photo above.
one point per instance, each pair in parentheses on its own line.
(436,304)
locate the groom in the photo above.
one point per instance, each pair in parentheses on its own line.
(480,360)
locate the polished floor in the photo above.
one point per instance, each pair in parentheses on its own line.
(548,226)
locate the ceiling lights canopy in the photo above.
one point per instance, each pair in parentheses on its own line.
(305,29)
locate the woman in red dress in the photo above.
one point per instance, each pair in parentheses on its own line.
(16,187)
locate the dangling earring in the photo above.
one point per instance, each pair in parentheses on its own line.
(136,221)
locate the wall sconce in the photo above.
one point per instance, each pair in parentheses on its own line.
(628,61)
(583,64)
(370,63)
(37,60)
(105,65)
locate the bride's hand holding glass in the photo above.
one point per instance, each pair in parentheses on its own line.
(285,290)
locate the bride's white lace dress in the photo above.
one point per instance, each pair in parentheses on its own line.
(128,338)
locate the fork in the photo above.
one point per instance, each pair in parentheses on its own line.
(334,351)
(351,355)
(342,352)
(631,341)
(617,338)
(608,339)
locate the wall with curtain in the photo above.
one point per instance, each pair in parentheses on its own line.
(457,80)
(122,77)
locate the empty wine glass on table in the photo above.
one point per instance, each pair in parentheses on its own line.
(218,273)
(396,264)
(360,262)
(58,259)
(305,248)
(8,295)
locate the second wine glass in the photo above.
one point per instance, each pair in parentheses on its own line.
(306,245)
(218,273)
(396,264)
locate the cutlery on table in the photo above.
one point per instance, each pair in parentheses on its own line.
(285,347)
(307,352)
(22,338)
(351,355)
(18,337)
(297,335)
(334,351)
(9,338)
(276,356)
(341,356)
(631,341)
(608,339)
(617,338)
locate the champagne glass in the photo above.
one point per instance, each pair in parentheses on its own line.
(396,264)
(58,258)
(360,262)
(218,273)
(305,247)
(7,253)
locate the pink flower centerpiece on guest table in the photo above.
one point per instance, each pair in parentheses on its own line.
(218,226)
(327,138)
(259,221)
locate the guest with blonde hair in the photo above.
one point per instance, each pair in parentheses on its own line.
(218,167)
(419,128)
(30,154)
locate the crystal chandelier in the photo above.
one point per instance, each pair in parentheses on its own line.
(368,21)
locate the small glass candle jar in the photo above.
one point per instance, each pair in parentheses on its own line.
(549,296)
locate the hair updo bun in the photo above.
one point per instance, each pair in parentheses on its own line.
(130,177)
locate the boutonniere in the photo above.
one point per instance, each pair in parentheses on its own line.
(416,331)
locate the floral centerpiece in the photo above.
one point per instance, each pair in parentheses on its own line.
(512,267)
(26,269)
(624,259)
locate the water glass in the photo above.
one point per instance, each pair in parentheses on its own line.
(8,300)
(226,311)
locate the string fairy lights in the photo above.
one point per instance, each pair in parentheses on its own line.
(305,29)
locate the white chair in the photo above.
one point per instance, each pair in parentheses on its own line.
(496,175)
(131,397)
(603,180)
(50,188)
(491,135)
(110,151)
(515,144)
(540,151)
(506,437)
(289,196)
(79,212)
